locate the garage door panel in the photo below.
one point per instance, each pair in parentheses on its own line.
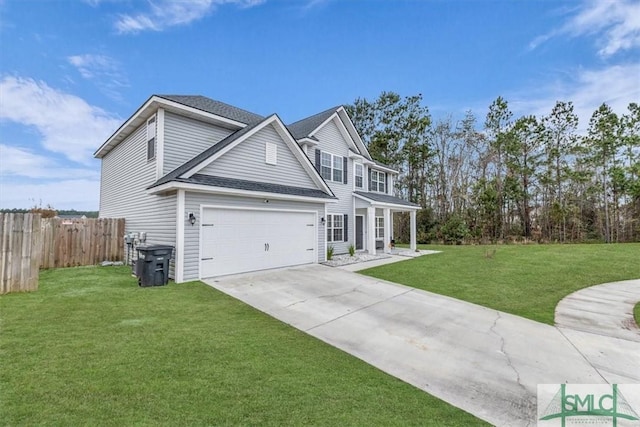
(240,240)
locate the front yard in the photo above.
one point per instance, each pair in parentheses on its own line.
(528,281)
(91,348)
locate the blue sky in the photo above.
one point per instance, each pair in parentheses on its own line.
(72,71)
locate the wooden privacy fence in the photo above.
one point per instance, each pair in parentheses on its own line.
(76,242)
(20,251)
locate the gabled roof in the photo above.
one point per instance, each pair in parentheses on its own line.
(303,128)
(385,198)
(192,106)
(188,170)
(185,167)
(214,107)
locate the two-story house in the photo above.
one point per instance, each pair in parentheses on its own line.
(234,191)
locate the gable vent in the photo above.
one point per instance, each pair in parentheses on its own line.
(271,157)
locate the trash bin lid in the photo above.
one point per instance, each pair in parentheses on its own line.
(156,249)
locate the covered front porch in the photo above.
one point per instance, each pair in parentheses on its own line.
(374,221)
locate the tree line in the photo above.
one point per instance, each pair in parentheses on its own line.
(509,179)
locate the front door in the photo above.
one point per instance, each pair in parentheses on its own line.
(359,231)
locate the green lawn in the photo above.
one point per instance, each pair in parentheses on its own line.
(525,280)
(91,348)
(636,313)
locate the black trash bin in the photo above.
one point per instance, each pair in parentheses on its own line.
(152,266)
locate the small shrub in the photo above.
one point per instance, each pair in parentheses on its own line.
(330,250)
(352,250)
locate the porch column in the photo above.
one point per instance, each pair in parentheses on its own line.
(412,241)
(371,230)
(387,230)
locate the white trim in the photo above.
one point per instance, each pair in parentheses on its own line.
(355,187)
(333,228)
(341,128)
(308,141)
(160,143)
(180,214)
(383,168)
(394,206)
(201,188)
(326,244)
(242,208)
(348,124)
(149,108)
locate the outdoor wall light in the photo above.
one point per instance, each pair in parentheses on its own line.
(323,221)
(192,218)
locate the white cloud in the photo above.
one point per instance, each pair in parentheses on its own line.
(22,162)
(103,70)
(67,123)
(616,85)
(169,13)
(79,194)
(614,23)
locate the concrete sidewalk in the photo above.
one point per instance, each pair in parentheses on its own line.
(599,321)
(486,362)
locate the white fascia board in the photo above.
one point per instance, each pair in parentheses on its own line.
(147,109)
(179,257)
(383,168)
(387,205)
(201,188)
(353,131)
(353,155)
(341,128)
(309,141)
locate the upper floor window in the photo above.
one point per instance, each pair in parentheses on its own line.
(331,167)
(378,181)
(151,138)
(359,173)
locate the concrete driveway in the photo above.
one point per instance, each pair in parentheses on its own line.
(481,360)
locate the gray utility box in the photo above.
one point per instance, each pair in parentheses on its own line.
(152,266)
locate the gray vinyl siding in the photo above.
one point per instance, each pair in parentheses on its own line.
(247,161)
(193,203)
(332,141)
(125,174)
(185,138)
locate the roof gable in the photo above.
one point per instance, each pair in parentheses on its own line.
(307,128)
(200,162)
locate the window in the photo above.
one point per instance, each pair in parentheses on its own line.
(331,167)
(335,228)
(379,227)
(377,181)
(151,138)
(359,171)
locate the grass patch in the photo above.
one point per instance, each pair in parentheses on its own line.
(91,348)
(636,313)
(528,281)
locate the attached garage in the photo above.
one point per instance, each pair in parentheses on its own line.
(236,240)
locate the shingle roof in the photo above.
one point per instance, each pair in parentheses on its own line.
(215,107)
(241,184)
(171,176)
(302,128)
(384,198)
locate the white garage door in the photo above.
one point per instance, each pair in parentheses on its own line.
(240,240)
